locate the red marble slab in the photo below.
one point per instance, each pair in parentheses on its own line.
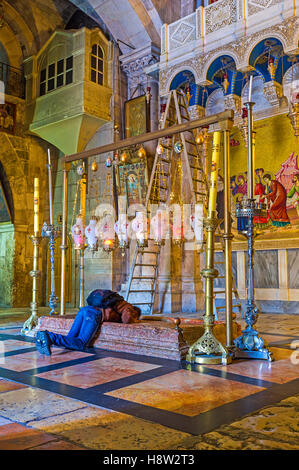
(280,371)
(13,345)
(58,445)
(185,392)
(14,436)
(97,372)
(7,385)
(158,338)
(34,359)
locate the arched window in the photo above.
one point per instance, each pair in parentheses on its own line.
(97,64)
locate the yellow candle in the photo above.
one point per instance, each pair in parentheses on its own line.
(36,205)
(214,172)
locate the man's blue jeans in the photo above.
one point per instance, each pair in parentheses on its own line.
(82,332)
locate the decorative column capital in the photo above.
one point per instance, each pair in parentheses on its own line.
(196,111)
(134,63)
(233,102)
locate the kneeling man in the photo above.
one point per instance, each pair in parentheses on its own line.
(102,305)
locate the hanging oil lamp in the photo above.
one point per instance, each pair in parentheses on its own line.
(140,227)
(160,149)
(90,233)
(94,166)
(124,158)
(225,82)
(178,147)
(122,231)
(271,67)
(159,226)
(105,232)
(80,170)
(141,152)
(148,95)
(77,232)
(199,138)
(196,222)
(108,162)
(162,115)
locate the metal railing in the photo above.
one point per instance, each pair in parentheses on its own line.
(13,79)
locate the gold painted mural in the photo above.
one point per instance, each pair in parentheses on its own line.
(276,176)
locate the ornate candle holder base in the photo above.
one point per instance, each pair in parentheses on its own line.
(207,349)
(250,345)
(35,274)
(51,232)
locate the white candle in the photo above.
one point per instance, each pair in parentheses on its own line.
(250,88)
(50,188)
(36,205)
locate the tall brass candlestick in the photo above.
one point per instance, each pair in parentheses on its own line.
(64,246)
(250,345)
(83,188)
(51,232)
(207,349)
(35,273)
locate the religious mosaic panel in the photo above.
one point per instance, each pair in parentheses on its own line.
(137,116)
(276,177)
(133,182)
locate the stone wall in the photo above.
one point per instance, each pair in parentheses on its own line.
(23,158)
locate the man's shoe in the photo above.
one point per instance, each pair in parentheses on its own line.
(43,343)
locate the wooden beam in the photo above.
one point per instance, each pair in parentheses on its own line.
(140,139)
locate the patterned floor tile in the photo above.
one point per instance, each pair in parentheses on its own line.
(279,371)
(14,436)
(30,404)
(10,331)
(271,428)
(275,338)
(34,359)
(58,445)
(13,345)
(7,386)
(185,392)
(4,421)
(97,372)
(100,429)
(281,353)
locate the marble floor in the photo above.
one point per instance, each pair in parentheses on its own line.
(118,401)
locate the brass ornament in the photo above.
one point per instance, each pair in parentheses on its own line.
(124,158)
(199,138)
(94,167)
(141,152)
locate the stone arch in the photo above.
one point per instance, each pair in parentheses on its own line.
(14,171)
(11,46)
(276,35)
(176,71)
(215,56)
(21,30)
